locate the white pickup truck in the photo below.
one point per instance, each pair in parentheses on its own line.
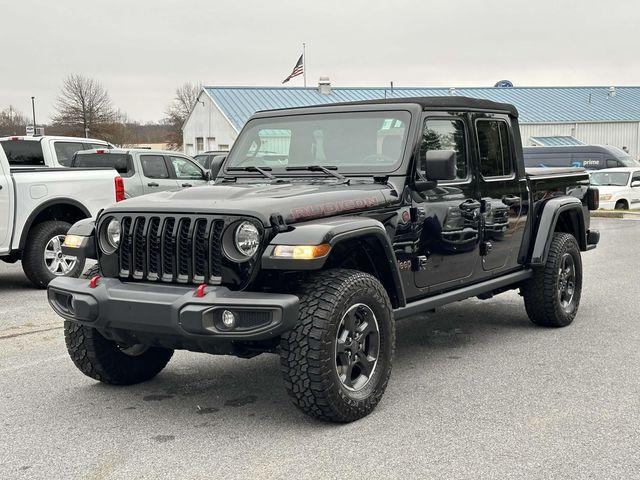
(37,208)
(46,151)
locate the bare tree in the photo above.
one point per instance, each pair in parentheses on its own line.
(178,110)
(84,106)
(12,122)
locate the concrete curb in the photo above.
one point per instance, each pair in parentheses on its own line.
(615,214)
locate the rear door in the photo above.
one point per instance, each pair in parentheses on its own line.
(635,191)
(503,191)
(6,205)
(186,172)
(65,150)
(155,174)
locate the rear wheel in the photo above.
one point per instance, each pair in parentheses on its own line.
(43,260)
(336,362)
(552,296)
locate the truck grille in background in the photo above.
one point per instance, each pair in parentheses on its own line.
(171,249)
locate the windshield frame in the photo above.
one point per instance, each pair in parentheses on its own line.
(413,112)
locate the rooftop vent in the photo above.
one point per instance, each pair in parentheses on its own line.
(324,85)
(452,90)
(612,91)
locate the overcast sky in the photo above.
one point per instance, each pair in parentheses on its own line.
(141,50)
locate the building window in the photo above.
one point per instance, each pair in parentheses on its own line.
(223,147)
(199,144)
(211,142)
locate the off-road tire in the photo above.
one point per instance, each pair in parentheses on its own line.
(102,359)
(33,263)
(308,351)
(541,298)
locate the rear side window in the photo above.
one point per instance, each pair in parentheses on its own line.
(66,150)
(153,166)
(121,162)
(445,134)
(493,146)
(23,152)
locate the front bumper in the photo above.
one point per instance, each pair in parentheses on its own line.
(171,314)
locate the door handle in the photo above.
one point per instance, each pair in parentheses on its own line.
(470,205)
(153,184)
(187,185)
(511,200)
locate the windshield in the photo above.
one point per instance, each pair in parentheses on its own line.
(617,179)
(356,141)
(628,161)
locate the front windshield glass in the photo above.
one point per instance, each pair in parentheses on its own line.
(628,161)
(355,141)
(617,179)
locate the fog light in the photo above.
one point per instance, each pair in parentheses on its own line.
(228,319)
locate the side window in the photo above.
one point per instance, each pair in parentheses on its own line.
(66,150)
(183,168)
(612,163)
(635,177)
(445,134)
(493,147)
(153,166)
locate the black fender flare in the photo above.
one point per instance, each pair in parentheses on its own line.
(547,222)
(334,231)
(53,202)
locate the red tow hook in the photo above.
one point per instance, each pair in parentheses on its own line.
(200,290)
(93,283)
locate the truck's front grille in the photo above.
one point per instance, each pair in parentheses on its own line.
(184,249)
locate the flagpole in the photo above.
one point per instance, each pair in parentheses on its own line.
(304,63)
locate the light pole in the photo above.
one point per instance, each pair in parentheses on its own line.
(33,108)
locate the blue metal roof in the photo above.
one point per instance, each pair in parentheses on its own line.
(556,141)
(535,104)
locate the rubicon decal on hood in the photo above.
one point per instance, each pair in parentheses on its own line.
(332,208)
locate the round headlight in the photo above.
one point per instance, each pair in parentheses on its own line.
(247,239)
(110,236)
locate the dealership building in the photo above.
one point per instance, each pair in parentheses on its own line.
(548,115)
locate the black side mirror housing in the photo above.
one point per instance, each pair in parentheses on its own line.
(216,166)
(440,164)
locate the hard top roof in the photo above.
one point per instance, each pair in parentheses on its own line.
(434,103)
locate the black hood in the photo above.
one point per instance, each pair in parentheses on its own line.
(294,201)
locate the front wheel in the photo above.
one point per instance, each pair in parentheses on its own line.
(336,362)
(552,295)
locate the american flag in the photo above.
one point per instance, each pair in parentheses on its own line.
(297,70)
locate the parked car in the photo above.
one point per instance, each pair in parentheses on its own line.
(376,211)
(590,157)
(38,205)
(205,159)
(143,170)
(46,151)
(619,187)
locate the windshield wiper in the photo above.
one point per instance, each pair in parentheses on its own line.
(319,168)
(264,171)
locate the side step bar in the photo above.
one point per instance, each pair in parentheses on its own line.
(487,286)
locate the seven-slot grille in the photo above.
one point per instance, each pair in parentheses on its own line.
(171,249)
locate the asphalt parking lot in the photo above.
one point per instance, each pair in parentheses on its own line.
(477,391)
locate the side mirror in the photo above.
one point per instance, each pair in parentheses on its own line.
(635,183)
(216,165)
(440,164)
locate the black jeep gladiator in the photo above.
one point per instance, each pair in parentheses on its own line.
(324,226)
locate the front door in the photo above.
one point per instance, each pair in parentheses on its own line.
(449,214)
(186,172)
(155,174)
(503,192)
